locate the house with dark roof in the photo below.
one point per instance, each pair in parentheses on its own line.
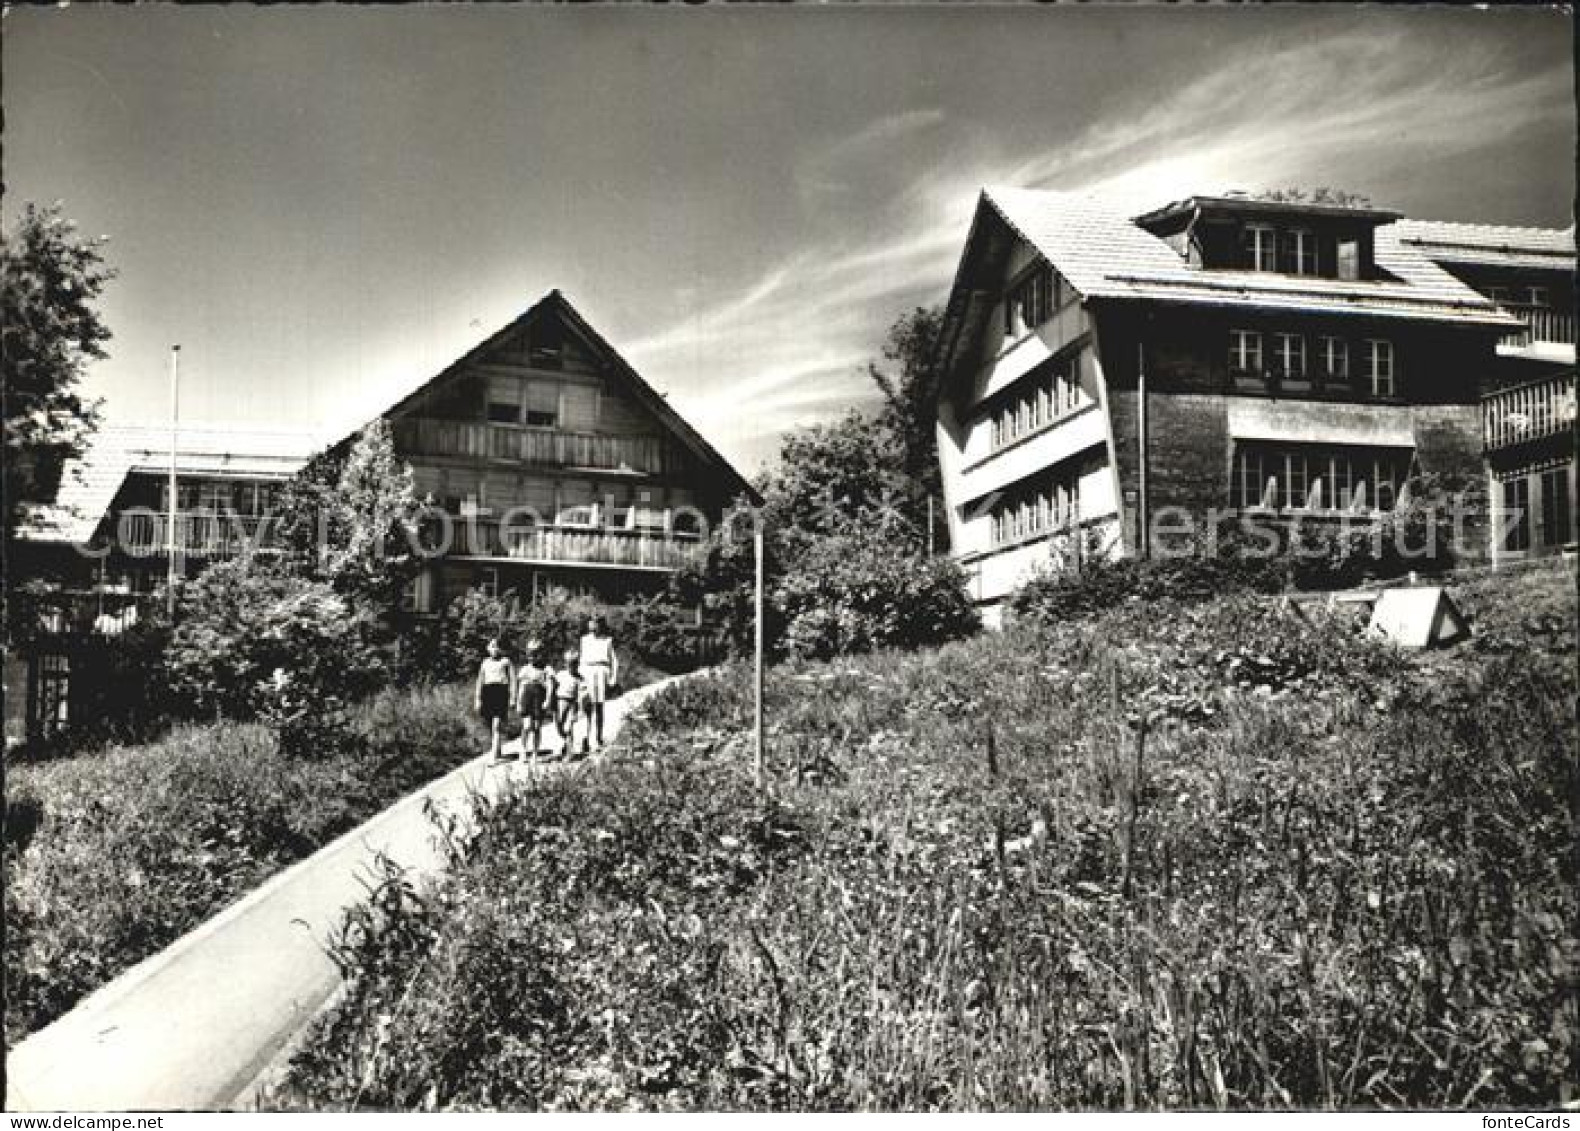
(1115,382)
(557,466)
(552,462)
(1528,411)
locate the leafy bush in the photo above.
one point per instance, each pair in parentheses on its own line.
(243,620)
(858,591)
(111,856)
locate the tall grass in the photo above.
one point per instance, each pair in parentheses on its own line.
(1038,870)
(110,856)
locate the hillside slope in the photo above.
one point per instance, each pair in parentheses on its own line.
(1200,856)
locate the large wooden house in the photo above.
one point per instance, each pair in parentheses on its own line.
(1122,381)
(1528,409)
(557,466)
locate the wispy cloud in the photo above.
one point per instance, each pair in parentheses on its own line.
(1357,111)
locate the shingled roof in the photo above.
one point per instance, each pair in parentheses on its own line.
(1491,245)
(1104,254)
(90,483)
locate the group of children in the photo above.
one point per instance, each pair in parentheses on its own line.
(579,688)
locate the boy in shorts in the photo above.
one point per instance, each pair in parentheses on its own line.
(567,692)
(533,689)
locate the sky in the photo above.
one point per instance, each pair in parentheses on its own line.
(325,206)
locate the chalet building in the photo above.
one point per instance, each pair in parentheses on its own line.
(1528,411)
(87,566)
(557,465)
(1117,381)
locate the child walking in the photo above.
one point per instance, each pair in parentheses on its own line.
(496,676)
(534,688)
(600,669)
(567,693)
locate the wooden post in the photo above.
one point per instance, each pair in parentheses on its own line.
(170,510)
(931,551)
(757,657)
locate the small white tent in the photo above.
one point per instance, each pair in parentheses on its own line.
(1418,618)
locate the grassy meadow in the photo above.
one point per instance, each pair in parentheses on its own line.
(112,855)
(1204,856)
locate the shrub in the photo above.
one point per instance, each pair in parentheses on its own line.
(244,620)
(858,591)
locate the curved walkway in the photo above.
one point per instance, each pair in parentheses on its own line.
(194,1025)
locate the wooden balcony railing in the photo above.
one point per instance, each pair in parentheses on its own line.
(198,533)
(1541,325)
(573,545)
(1529,412)
(539,447)
(79,612)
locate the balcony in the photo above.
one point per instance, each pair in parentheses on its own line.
(57,613)
(573,545)
(198,533)
(537,447)
(1528,413)
(1542,326)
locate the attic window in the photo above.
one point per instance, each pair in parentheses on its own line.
(546,347)
(1029,302)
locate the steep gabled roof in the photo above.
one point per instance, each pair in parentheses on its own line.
(89,484)
(1104,254)
(655,401)
(1491,245)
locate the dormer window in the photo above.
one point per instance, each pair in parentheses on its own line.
(1349,259)
(1261,247)
(1300,251)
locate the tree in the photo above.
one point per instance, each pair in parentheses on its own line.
(910,381)
(50,282)
(349,519)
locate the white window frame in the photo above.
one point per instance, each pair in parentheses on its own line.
(1330,355)
(1381,368)
(1243,344)
(1538,297)
(1261,241)
(1303,248)
(1290,349)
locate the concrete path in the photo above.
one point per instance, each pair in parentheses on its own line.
(192,1026)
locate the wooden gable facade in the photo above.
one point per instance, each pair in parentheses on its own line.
(556,465)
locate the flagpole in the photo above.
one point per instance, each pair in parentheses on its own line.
(170,510)
(757,659)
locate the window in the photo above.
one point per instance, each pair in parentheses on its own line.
(1029,302)
(1335,359)
(1379,367)
(1348,259)
(1300,251)
(504,400)
(1516,519)
(1261,247)
(487,582)
(1245,351)
(1557,508)
(1310,477)
(1035,509)
(1047,394)
(1536,296)
(1289,356)
(542,404)
(1498,294)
